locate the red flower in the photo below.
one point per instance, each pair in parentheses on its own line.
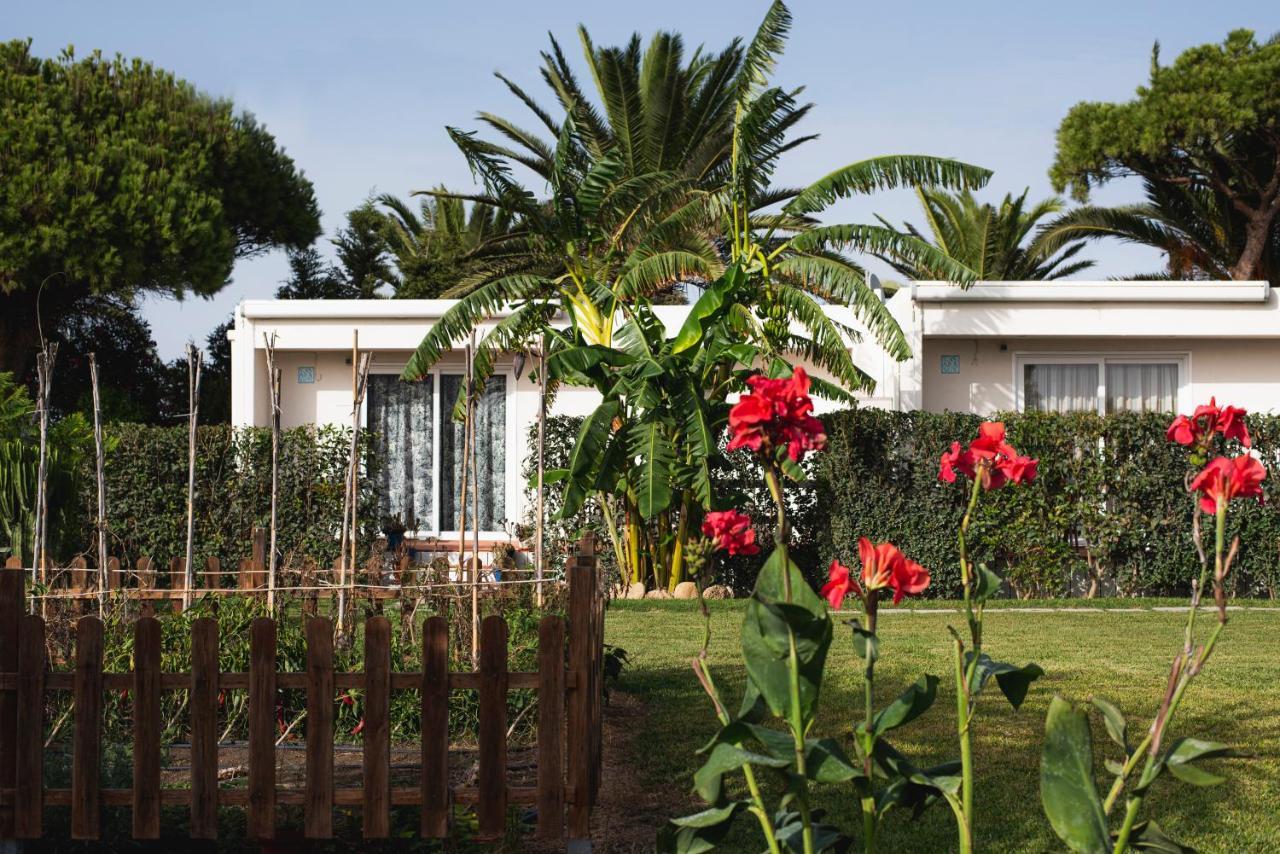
(989,458)
(777,414)
(731,531)
(883,567)
(358,728)
(1224,479)
(1198,428)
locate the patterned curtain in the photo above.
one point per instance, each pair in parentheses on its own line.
(400,415)
(491,453)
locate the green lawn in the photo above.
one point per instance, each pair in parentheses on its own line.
(1123,657)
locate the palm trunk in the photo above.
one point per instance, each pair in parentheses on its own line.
(677,552)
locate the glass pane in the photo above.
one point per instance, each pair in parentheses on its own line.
(1060,388)
(491,455)
(1142,387)
(399,416)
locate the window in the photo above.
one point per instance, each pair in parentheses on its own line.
(1099,383)
(415,437)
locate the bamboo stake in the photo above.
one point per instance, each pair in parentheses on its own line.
(39,549)
(542,427)
(99,470)
(195,360)
(358,379)
(462,504)
(473,400)
(273,378)
(350,493)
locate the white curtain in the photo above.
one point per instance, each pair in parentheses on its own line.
(1060,388)
(491,448)
(1142,387)
(400,417)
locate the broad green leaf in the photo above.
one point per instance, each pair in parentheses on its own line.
(987,584)
(825,762)
(1013,681)
(770,585)
(865,644)
(648,443)
(1148,836)
(912,787)
(588,449)
(1184,752)
(726,757)
(707,305)
(1117,727)
(549,476)
(702,831)
(909,705)
(1067,788)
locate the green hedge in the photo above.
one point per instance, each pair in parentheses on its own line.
(146,473)
(1109,503)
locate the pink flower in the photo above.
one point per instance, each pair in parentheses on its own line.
(731,531)
(777,414)
(1198,428)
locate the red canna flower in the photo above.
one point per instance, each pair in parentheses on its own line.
(1197,429)
(358,728)
(1224,479)
(883,567)
(731,531)
(777,414)
(988,458)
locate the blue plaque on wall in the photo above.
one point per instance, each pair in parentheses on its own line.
(951,364)
(306,375)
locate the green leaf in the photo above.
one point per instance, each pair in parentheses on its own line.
(1013,681)
(909,705)
(726,757)
(986,584)
(1067,788)
(588,449)
(865,644)
(886,173)
(549,476)
(707,305)
(1183,753)
(702,831)
(912,787)
(649,444)
(1148,836)
(825,762)
(1117,727)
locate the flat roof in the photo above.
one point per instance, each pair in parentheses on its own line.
(1072,291)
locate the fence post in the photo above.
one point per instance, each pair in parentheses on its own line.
(551,727)
(435,728)
(259,558)
(113,574)
(29,793)
(318,818)
(11,610)
(582,596)
(492,808)
(377,727)
(212,573)
(146,728)
(262,729)
(178,583)
(204,728)
(86,811)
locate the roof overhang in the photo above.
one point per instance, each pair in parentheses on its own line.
(1093,292)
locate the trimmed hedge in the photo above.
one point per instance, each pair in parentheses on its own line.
(1109,506)
(146,471)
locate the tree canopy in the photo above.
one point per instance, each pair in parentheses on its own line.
(1206,127)
(119,178)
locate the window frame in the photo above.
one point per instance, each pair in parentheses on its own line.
(1102,358)
(511,480)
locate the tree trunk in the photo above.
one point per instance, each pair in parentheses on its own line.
(1256,235)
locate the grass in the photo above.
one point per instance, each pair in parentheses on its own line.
(1123,657)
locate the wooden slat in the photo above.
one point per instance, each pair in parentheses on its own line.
(400,681)
(377,728)
(29,807)
(79,572)
(581,599)
(146,571)
(204,728)
(177,581)
(319,803)
(86,809)
(551,725)
(114,579)
(10,613)
(435,728)
(212,572)
(262,734)
(146,728)
(493,728)
(259,558)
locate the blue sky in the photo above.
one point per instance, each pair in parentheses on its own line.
(359,94)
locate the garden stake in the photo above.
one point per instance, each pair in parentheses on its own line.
(194,361)
(99,466)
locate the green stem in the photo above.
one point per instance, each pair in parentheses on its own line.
(868,740)
(964,826)
(964,679)
(795,720)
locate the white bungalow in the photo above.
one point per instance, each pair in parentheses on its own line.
(998,346)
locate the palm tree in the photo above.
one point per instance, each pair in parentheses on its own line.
(430,245)
(1200,232)
(669,181)
(991,242)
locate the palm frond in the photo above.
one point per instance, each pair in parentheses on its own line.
(886,173)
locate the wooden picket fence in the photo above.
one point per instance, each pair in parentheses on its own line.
(568,750)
